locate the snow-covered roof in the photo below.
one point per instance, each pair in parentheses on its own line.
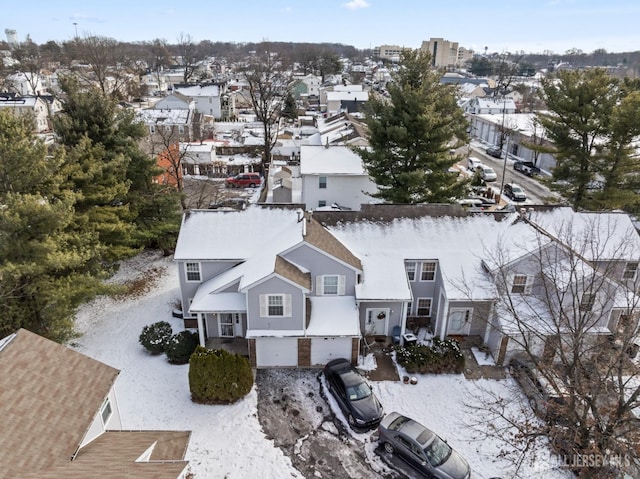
(458,243)
(333,316)
(347,95)
(221,302)
(231,235)
(164,117)
(596,236)
(197,90)
(332,160)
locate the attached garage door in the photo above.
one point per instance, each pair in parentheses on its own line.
(324,350)
(273,352)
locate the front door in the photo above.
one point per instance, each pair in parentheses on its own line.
(376,320)
(459,322)
(226,325)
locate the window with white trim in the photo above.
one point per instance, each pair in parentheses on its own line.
(409,308)
(521,283)
(105,411)
(428,271)
(322,182)
(193,271)
(424,307)
(630,270)
(330,285)
(322,203)
(275,305)
(411,268)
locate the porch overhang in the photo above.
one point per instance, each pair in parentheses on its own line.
(334,316)
(219,303)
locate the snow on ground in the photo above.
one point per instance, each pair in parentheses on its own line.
(228,441)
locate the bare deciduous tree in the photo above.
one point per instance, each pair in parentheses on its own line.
(268,87)
(566,303)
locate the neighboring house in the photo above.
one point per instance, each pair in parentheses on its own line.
(61,419)
(333,174)
(491,106)
(311,285)
(521,128)
(36,106)
(198,158)
(211,100)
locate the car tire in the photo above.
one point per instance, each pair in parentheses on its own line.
(388,447)
(351,420)
(252,185)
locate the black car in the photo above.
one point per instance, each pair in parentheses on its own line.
(421,448)
(515,192)
(494,151)
(354,395)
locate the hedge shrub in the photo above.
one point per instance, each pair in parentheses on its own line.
(218,377)
(154,337)
(180,347)
(442,357)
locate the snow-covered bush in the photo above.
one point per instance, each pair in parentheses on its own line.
(154,337)
(218,377)
(443,357)
(180,347)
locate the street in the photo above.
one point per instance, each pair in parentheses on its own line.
(537,194)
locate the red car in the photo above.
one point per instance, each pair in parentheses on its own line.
(243,180)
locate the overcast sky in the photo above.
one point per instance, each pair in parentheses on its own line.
(499,25)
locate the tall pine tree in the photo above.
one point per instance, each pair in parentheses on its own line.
(44,259)
(592,123)
(411,134)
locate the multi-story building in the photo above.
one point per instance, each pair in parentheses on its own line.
(445,53)
(389,52)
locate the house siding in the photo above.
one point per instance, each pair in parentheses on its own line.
(208,269)
(346,190)
(320,264)
(275,286)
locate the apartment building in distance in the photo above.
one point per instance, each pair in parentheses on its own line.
(446,54)
(389,52)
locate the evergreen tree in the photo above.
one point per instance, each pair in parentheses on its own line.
(411,135)
(43,258)
(290,108)
(118,199)
(592,122)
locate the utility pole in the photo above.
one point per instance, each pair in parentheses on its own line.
(75,24)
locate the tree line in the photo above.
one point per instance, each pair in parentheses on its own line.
(70,211)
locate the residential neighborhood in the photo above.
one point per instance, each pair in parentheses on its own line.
(427,258)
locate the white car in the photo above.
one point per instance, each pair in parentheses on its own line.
(473,163)
(487,173)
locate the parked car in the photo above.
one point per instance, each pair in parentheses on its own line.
(243,180)
(229,203)
(421,448)
(473,163)
(494,151)
(486,202)
(487,173)
(353,394)
(514,192)
(546,395)
(526,167)
(471,204)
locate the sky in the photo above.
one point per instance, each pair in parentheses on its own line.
(228,441)
(531,26)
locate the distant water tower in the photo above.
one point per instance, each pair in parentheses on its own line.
(12,36)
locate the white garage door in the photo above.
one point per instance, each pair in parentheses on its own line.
(324,350)
(271,352)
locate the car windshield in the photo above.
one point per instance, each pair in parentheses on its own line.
(516,189)
(488,171)
(437,451)
(358,391)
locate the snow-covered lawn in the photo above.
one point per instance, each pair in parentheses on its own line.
(228,441)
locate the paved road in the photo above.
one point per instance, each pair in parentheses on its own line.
(537,193)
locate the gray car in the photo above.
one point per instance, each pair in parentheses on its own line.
(423,449)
